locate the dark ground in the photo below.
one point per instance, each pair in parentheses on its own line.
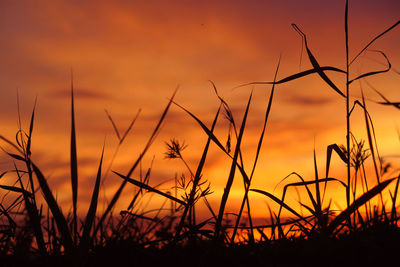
(377,246)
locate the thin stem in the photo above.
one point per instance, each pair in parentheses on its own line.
(347,106)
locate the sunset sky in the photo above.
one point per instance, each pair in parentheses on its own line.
(131,55)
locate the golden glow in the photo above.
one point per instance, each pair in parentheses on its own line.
(127,56)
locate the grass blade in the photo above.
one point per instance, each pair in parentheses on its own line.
(370,142)
(136,163)
(29,142)
(303,183)
(318,207)
(277,200)
(374,39)
(33,215)
(315,63)
(205,129)
(389,66)
(130,126)
(149,188)
(11,144)
(113,125)
(231,173)
(296,76)
(145,181)
(356,204)
(92,208)
(339,152)
(394,198)
(197,178)
(55,209)
(260,141)
(16,189)
(215,140)
(74,164)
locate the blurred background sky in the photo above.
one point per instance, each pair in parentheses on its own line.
(131,55)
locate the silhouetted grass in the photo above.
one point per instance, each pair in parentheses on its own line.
(364,233)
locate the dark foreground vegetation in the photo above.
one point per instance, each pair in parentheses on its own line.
(377,246)
(35,231)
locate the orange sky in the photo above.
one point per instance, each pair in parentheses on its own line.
(127,55)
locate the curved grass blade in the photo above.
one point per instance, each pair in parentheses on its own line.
(277,200)
(27,154)
(125,212)
(339,152)
(389,66)
(4,211)
(370,142)
(16,189)
(296,76)
(231,119)
(260,141)
(387,101)
(11,144)
(231,173)
(145,181)
(61,222)
(205,129)
(135,164)
(33,215)
(342,156)
(113,125)
(315,63)
(15,156)
(215,140)
(121,138)
(149,188)
(356,204)
(316,182)
(373,40)
(197,178)
(303,183)
(130,126)
(317,207)
(240,165)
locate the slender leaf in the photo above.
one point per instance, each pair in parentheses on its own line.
(32,214)
(130,126)
(216,141)
(197,178)
(315,63)
(73,163)
(135,164)
(55,209)
(231,173)
(113,124)
(374,39)
(149,188)
(370,142)
(92,208)
(277,200)
(260,141)
(296,76)
(356,204)
(389,66)
(339,152)
(15,189)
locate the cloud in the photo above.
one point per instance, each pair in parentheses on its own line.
(307,100)
(80,93)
